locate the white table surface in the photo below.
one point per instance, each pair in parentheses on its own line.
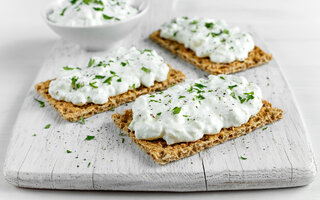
(291,30)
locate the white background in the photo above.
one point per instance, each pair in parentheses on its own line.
(291,30)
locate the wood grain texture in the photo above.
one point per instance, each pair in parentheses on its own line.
(280,156)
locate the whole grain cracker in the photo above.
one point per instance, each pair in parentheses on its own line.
(74,113)
(162,153)
(255,58)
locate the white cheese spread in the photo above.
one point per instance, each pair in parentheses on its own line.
(90,12)
(126,70)
(187,111)
(209,38)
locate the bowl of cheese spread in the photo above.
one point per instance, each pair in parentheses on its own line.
(95,24)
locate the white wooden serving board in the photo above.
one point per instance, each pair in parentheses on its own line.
(279,156)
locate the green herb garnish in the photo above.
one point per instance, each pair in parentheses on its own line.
(108,80)
(146,70)
(41,103)
(222,77)
(122,140)
(265,128)
(180,97)
(193,22)
(68,151)
(233,95)
(63,11)
(232,86)
(200,86)
(82,120)
(176,110)
(119,80)
(200,97)
(209,25)
(249,95)
(133,86)
(190,89)
(99,77)
(243,158)
(92,84)
(89,164)
(185,18)
(123,64)
(89,137)
(91,62)
(47,126)
(175,33)
(241,99)
(158,114)
(68,68)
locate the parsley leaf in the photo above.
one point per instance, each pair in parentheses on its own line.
(200,97)
(146,70)
(233,95)
(200,86)
(106,17)
(209,25)
(99,77)
(91,62)
(243,158)
(158,114)
(232,86)
(265,128)
(41,103)
(68,151)
(47,126)
(180,97)
(68,68)
(108,80)
(89,137)
(176,110)
(92,84)
(222,77)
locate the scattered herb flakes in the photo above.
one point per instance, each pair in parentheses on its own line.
(200,97)
(89,164)
(34,134)
(145,69)
(133,86)
(241,99)
(226,31)
(106,17)
(221,77)
(119,80)
(175,33)
(193,22)
(41,103)
(243,158)
(249,95)
(185,18)
(123,64)
(232,86)
(63,11)
(73,2)
(209,25)
(122,140)
(180,97)
(89,137)
(186,115)
(68,151)
(74,83)
(200,86)
(159,113)
(176,110)
(108,80)
(265,128)
(190,89)
(233,95)
(82,120)
(146,50)
(67,68)
(47,126)
(99,77)
(152,95)
(98,8)
(91,62)
(93,84)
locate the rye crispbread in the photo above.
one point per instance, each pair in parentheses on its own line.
(255,58)
(162,153)
(74,113)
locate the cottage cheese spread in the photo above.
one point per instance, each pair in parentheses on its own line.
(110,76)
(209,38)
(91,12)
(187,111)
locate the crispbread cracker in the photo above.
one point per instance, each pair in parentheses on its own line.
(255,58)
(162,153)
(74,113)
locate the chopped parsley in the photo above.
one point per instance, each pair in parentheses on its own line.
(89,164)
(217,34)
(73,1)
(200,97)
(221,77)
(185,18)
(93,84)
(193,22)
(63,11)
(122,140)
(209,25)
(106,17)
(98,9)
(108,80)
(133,86)
(99,77)
(47,126)
(123,64)
(152,95)
(41,103)
(68,151)
(175,33)
(233,95)
(68,68)
(145,69)
(190,89)
(91,62)
(159,113)
(82,120)
(186,115)
(232,86)
(89,137)
(176,110)
(119,80)
(243,158)
(200,86)
(146,50)
(241,99)
(180,97)
(34,134)
(249,95)
(265,128)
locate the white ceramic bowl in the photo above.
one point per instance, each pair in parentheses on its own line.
(101,37)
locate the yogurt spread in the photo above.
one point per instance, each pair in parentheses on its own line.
(126,70)
(209,38)
(187,111)
(91,12)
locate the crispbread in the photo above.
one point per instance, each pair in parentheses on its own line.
(255,58)
(74,113)
(162,153)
